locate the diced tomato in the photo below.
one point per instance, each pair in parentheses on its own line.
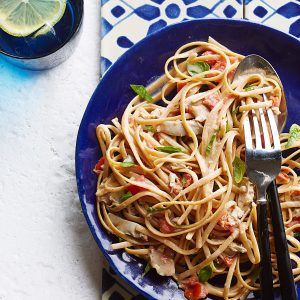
(220,65)
(282,178)
(211,101)
(225,223)
(212,61)
(134,189)
(165,227)
(194,290)
(180,85)
(228,260)
(295,221)
(99,165)
(187,179)
(157,136)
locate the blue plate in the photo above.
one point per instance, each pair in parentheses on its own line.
(142,63)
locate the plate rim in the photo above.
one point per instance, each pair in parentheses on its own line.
(123,57)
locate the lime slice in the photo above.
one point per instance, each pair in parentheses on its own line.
(23,17)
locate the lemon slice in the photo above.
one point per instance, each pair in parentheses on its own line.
(23,17)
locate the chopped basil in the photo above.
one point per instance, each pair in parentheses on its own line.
(142,92)
(294,135)
(128,164)
(236,111)
(297,234)
(151,209)
(197,68)
(239,169)
(150,128)
(205,273)
(126,196)
(169,149)
(227,127)
(209,146)
(254,274)
(147,269)
(249,87)
(120,239)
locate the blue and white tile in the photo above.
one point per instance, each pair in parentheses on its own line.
(280,14)
(125,22)
(114,11)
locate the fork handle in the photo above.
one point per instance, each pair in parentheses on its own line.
(286,278)
(265,276)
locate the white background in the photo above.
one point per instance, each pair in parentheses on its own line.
(46,249)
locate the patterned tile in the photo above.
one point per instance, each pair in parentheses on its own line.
(125,22)
(283,15)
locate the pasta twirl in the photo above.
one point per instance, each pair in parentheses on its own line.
(172,183)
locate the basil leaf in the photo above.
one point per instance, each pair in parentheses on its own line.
(197,68)
(127,164)
(169,149)
(126,196)
(250,88)
(147,269)
(150,128)
(120,239)
(297,234)
(151,209)
(294,135)
(205,273)
(235,111)
(209,146)
(239,169)
(142,92)
(227,127)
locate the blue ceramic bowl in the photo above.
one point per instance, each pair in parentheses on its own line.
(139,65)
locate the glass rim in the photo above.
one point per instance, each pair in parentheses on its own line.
(75,31)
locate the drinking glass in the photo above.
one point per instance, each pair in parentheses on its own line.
(47,50)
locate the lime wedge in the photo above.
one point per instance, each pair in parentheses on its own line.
(23,17)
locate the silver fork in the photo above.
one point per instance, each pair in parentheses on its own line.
(263,160)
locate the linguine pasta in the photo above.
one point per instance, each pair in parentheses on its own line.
(172,183)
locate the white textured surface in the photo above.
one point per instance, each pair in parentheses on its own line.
(46,249)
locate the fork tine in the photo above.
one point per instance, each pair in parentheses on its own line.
(274,129)
(265,129)
(256,130)
(247,132)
